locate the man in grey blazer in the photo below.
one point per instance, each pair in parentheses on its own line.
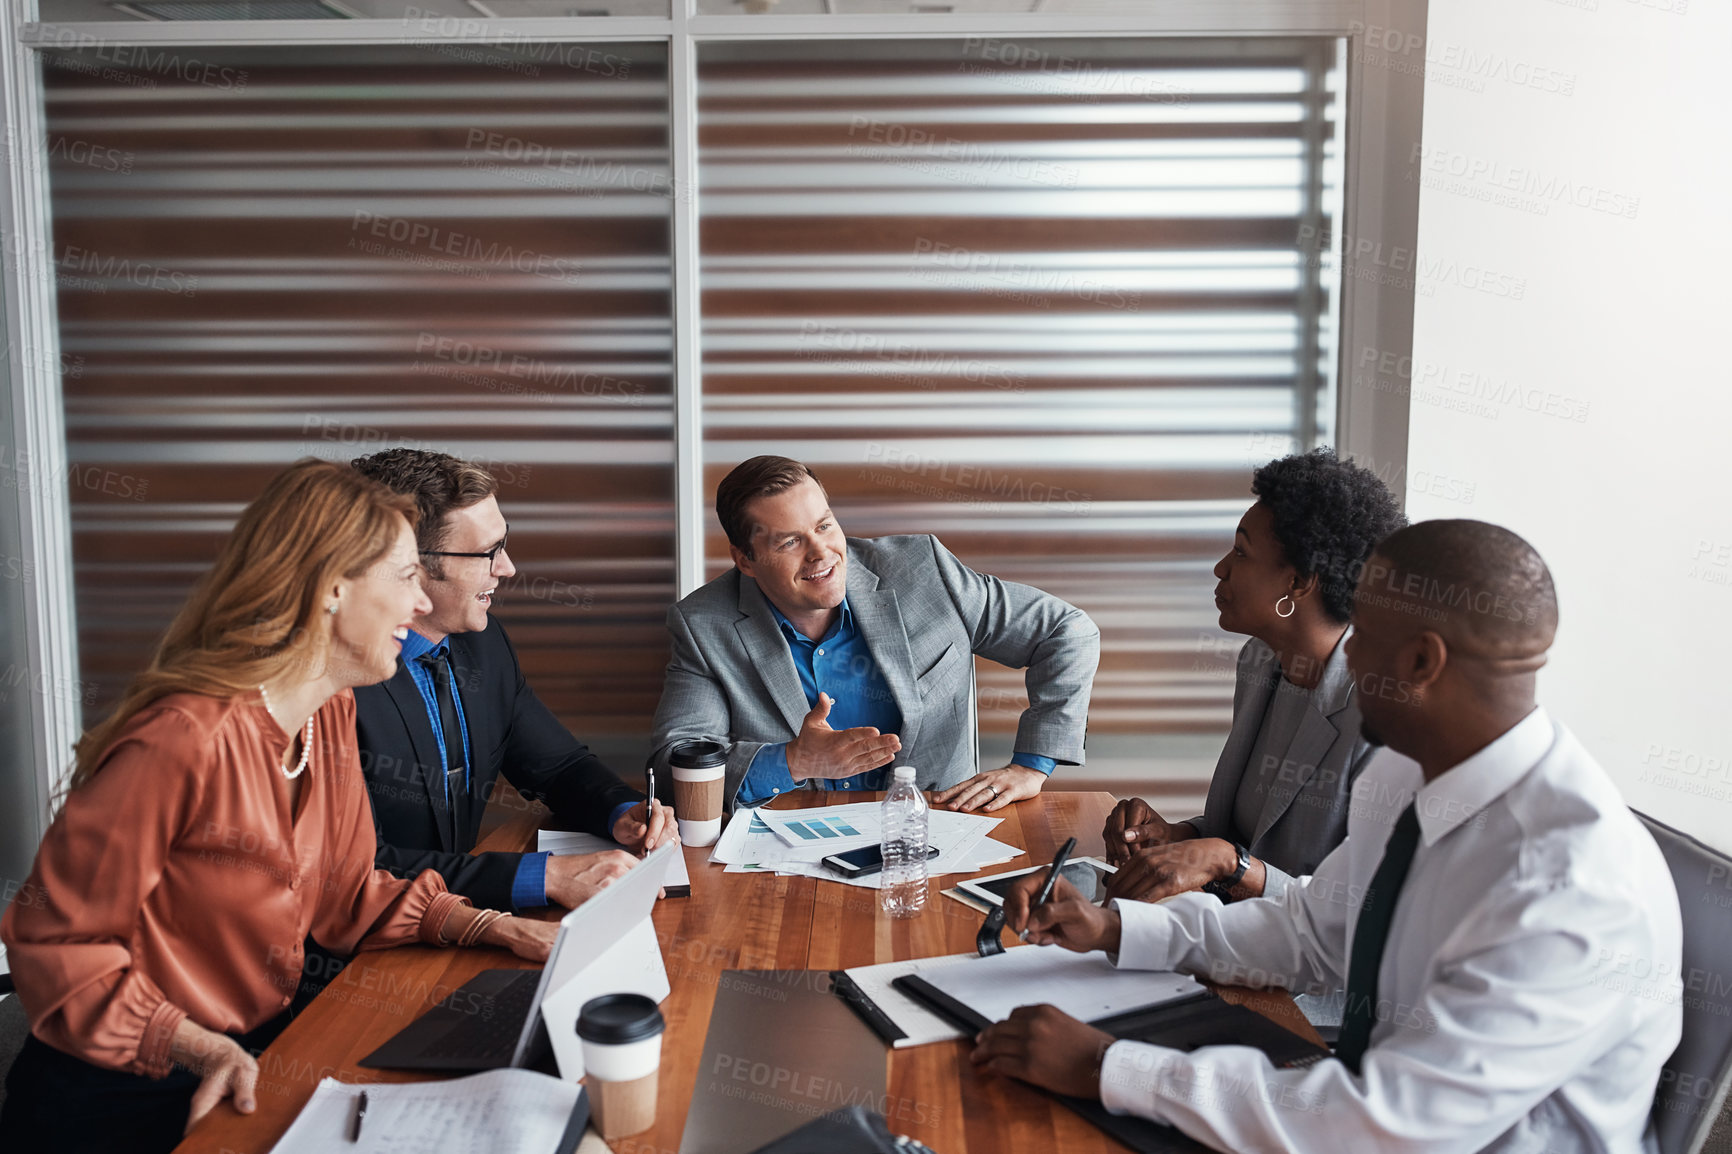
(822,659)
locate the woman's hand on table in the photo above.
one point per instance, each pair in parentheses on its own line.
(529,939)
(1161,871)
(223,1067)
(1133,824)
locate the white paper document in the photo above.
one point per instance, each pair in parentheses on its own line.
(838,828)
(1085,986)
(567,841)
(986,852)
(793,842)
(746,840)
(499,1112)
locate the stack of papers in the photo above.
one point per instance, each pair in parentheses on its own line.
(793,842)
(515,1111)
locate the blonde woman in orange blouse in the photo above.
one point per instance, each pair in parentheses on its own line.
(215,821)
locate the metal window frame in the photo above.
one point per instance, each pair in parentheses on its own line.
(36,506)
(1380,213)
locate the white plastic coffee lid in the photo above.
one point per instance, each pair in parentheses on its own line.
(903,773)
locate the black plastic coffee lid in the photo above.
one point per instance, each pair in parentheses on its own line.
(698,754)
(615,1019)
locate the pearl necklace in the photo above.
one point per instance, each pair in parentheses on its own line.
(306,742)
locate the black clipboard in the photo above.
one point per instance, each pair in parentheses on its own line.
(845,988)
(1203,1019)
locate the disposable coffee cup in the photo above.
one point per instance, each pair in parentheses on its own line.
(699,769)
(622,1058)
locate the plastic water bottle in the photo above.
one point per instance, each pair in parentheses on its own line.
(903,894)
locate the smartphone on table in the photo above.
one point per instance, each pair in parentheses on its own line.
(858,863)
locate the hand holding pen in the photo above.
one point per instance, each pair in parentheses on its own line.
(1058,863)
(1047,910)
(647,824)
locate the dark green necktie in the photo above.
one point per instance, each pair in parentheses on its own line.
(1371,935)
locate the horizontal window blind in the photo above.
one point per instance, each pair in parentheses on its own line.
(1051,302)
(344,250)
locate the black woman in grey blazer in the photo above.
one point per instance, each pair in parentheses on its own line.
(1278,801)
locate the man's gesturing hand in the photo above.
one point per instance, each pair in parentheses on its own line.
(820,751)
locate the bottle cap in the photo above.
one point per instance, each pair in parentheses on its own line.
(903,773)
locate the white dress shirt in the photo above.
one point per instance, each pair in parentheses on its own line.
(1529,990)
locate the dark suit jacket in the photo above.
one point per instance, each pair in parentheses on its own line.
(510,732)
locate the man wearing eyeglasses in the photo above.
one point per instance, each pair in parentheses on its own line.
(436,737)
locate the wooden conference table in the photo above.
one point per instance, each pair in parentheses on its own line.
(731,921)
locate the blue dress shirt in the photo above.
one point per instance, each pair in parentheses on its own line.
(529,887)
(841,665)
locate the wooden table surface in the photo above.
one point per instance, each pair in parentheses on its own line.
(731,921)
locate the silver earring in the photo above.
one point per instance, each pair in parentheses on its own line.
(1292,607)
(331,609)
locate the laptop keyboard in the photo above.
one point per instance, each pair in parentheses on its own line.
(488,1026)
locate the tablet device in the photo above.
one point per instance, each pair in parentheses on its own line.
(495,1019)
(1088,874)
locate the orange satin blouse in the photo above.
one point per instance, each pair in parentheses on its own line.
(176,883)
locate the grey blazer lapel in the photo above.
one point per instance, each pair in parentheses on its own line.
(413,708)
(1255,680)
(768,650)
(879,619)
(1317,733)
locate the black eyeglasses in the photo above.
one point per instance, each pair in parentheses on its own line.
(490,554)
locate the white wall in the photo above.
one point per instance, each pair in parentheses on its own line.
(1605,309)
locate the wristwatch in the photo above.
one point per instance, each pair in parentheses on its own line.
(1221,887)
